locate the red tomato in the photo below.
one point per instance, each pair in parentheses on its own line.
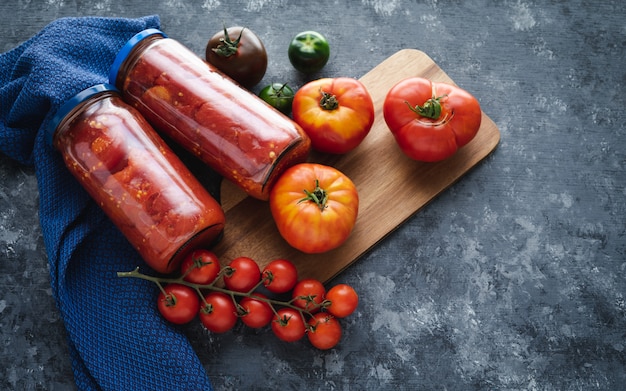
(179,303)
(324,331)
(431,121)
(219,313)
(200,267)
(341,300)
(243,275)
(314,207)
(280,276)
(336,113)
(308,294)
(256,313)
(288,325)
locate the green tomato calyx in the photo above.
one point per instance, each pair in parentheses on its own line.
(328,101)
(319,196)
(170,299)
(431,108)
(309,42)
(281,91)
(228,47)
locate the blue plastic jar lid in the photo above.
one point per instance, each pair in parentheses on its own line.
(69,105)
(127,48)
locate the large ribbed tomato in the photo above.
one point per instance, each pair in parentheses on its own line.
(314,207)
(431,121)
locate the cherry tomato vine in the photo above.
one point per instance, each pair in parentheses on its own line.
(219,304)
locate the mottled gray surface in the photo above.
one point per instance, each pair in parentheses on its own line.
(513,279)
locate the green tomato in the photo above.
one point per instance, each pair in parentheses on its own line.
(309,51)
(279,96)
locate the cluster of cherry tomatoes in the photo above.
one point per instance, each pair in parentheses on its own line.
(275,296)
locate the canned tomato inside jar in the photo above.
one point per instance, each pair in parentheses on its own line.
(227,127)
(133,175)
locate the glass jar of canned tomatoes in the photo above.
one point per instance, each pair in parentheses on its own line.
(226,126)
(133,175)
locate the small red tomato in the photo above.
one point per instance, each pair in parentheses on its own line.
(242,275)
(336,113)
(200,267)
(178,303)
(431,121)
(219,313)
(324,331)
(256,313)
(280,276)
(288,325)
(342,300)
(308,294)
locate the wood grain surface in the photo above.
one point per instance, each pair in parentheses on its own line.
(391,187)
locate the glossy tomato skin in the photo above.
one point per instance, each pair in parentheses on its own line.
(178,303)
(239,53)
(200,267)
(243,274)
(303,223)
(280,276)
(309,294)
(219,313)
(342,300)
(324,331)
(256,313)
(279,96)
(431,139)
(336,113)
(288,325)
(308,51)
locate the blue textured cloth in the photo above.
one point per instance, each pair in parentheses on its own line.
(116,337)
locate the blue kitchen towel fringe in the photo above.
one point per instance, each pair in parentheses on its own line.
(116,337)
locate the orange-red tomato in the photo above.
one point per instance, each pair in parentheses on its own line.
(314,207)
(431,121)
(280,276)
(288,325)
(256,313)
(342,300)
(336,113)
(324,331)
(308,294)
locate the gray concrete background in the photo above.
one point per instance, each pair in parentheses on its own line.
(512,279)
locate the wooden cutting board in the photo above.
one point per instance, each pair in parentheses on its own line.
(391,187)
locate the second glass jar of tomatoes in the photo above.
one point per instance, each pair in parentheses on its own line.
(232,130)
(137,180)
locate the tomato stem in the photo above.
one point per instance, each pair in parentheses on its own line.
(199,292)
(319,196)
(227,47)
(254,288)
(159,281)
(328,101)
(281,91)
(430,109)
